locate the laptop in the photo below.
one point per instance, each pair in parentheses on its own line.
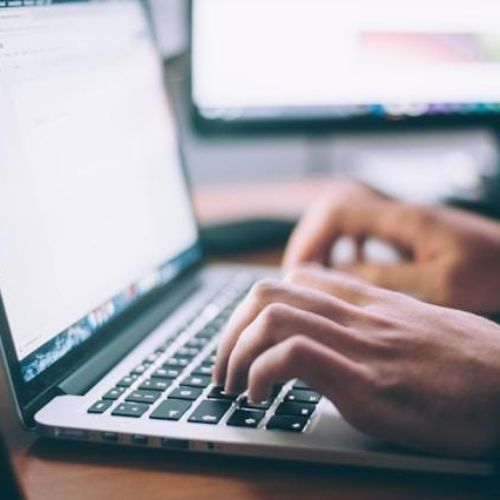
(109,315)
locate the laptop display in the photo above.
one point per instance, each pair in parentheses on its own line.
(94,209)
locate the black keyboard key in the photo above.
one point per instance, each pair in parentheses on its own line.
(197,381)
(171,409)
(166,373)
(210,360)
(203,370)
(218,393)
(164,346)
(143,397)
(207,333)
(276,390)
(188,393)
(177,362)
(226,313)
(261,405)
(296,409)
(188,352)
(139,369)
(100,407)
(210,412)
(300,385)
(287,423)
(127,381)
(114,393)
(134,410)
(217,324)
(197,343)
(151,358)
(246,418)
(161,349)
(303,396)
(156,384)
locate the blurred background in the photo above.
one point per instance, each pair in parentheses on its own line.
(249,118)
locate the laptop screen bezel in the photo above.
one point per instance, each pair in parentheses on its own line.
(31,396)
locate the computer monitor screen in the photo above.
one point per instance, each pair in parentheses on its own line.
(94,209)
(345,61)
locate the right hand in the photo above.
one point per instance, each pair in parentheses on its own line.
(396,368)
(452,257)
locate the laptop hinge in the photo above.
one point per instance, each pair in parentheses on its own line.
(90,372)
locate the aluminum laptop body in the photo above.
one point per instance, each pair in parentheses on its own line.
(109,318)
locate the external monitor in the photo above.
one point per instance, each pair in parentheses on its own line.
(344,63)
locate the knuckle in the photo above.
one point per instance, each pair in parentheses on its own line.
(387,383)
(273,316)
(295,350)
(264,289)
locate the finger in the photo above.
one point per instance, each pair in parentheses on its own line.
(313,238)
(417,279)
(339,284)
(278,322)
(269,292)
(321,368)
(345,211)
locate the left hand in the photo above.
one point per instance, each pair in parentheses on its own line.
(411,373)
(451,257)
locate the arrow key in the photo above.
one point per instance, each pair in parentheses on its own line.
(287,423)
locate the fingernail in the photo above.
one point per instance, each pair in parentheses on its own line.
(228,388)
(232,388)
(253,399)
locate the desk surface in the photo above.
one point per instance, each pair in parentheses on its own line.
(57,470)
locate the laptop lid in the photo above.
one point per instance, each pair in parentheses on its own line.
(95,213)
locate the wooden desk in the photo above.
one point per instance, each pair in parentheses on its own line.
(73,471)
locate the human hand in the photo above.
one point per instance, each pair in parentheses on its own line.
(396,368)
(451,257)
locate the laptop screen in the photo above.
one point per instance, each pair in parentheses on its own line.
(94,209)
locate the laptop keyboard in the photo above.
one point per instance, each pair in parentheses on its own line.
(174,382)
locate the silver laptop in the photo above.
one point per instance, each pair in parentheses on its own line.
(109,318)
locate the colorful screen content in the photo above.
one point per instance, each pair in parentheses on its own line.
(345,58)
(94,209)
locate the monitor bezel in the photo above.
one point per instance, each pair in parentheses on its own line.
(30,396)
(321,123)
